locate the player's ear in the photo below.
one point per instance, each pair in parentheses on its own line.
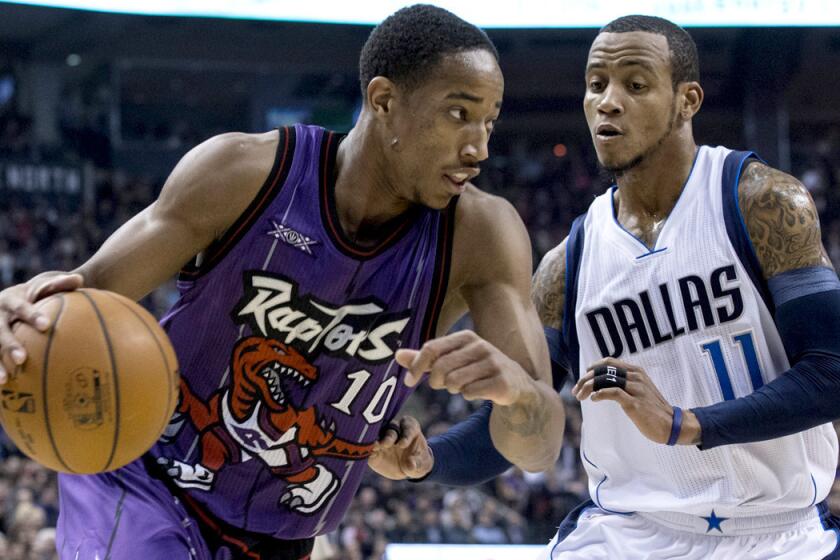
(690,98)
(381,93)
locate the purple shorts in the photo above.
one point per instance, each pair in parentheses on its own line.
(129,515)
(124,515)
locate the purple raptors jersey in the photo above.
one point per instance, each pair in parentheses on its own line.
(285,334)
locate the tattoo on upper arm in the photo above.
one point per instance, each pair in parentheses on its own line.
(781,219)
(548,287)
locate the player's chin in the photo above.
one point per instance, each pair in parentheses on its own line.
(437,202)
(609,160)
(617,165)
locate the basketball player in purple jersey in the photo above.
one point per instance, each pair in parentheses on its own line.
(319,255)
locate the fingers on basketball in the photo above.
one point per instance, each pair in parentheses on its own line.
(98,388)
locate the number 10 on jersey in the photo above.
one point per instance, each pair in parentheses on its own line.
(378,405)
(715,352)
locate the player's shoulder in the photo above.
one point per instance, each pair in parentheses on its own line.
(781,219)
(236,152)
(490,238)
(484,211)
(489,223)
(220,176)
(232,164)
(766,195)
(770,186)
(548,286)
(555,259)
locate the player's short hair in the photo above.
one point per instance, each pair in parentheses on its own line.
(685,64)
(412,41)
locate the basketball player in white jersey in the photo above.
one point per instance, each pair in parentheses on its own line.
(700,316)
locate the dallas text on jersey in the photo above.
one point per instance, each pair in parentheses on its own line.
(718,300)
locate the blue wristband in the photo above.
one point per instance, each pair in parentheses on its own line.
(676,426)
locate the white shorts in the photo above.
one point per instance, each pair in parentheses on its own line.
(590,533)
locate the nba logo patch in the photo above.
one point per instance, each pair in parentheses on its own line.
(292,237)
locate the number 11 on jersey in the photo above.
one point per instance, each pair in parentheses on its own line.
(715,353)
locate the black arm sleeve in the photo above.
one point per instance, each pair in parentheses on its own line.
(806,395)
(465,455)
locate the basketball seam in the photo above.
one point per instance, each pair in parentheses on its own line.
(114,377)
(44,386)
(169,404)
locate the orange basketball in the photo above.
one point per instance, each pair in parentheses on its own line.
(96,390)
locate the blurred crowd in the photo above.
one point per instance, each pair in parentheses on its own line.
(548,185)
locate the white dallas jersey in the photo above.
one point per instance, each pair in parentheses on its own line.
(691,311)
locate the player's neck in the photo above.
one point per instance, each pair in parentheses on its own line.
(364,197)
(652,188)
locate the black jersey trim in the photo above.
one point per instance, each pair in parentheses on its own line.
(440,276)
(329,216)
(267,193)
(736,227)
(574,258)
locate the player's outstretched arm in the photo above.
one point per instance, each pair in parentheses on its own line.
(505,361)
(205,193)
(465,454)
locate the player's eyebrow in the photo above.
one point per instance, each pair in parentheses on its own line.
(637,62)
(464,96)
(623,62)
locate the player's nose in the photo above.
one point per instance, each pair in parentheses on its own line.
(610,101)
(476,148)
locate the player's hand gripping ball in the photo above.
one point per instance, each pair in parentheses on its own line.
(97,388)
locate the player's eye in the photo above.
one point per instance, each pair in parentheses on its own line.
(596,86)
(459,113)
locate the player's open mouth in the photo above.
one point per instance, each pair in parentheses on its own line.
(274,374)
(458,181)
(607,131)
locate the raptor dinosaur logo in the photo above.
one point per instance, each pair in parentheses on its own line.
(254,417)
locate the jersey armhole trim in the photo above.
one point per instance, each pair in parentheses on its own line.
(440,276)
(272,186)
(736,226)
(574,254)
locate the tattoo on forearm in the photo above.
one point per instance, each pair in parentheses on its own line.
(527,419)
(548,287)
(781,219)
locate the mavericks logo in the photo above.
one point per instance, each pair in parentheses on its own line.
(273,307)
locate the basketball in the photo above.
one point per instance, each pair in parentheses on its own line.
(97,389)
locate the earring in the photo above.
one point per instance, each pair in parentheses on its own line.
(394,141)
